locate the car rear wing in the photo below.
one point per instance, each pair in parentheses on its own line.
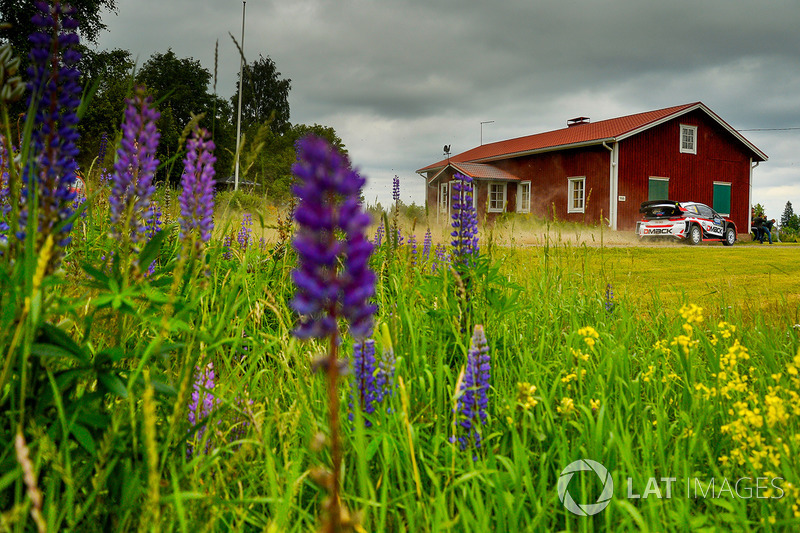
(661,209)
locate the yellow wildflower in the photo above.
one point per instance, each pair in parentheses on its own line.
(566,407)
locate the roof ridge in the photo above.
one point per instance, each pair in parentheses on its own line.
(616,128)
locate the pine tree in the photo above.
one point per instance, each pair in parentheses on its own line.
(786,217)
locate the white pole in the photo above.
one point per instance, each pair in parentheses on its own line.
(239,116)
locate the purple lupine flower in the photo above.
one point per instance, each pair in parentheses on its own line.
(412,242)
(202,404)
(197,197)
(241,422)
(364,369)
(396,188)
(426,245)
(441,257)
(329,194)
(465,221)
(154,223)
(384,379)
(227,243)
(5,201)
(473,394)
(399,237)
(609,298)
(243,237)
(152,227)
(132,179)
(374,379)
(378,240)
(54,95)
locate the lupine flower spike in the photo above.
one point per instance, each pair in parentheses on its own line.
(426,245)
(202,404)
(245,231)
(378,240)
(473,393)
(329,203)
(465,221)
(55,94)
(609,298)
(329,193)
(396,188)
(364,367)
(197,196)
(132,180)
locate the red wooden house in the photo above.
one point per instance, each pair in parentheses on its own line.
(602,171)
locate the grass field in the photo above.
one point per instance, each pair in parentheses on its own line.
(673,367)
(744,281)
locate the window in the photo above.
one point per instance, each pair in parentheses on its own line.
(688,139)
(658,189)
(576,195)
(705,211)
(524,197)
(722,198)
(444,197)
(497,197)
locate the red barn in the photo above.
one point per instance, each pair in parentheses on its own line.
(602,171)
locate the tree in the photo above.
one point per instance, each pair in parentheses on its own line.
(181,84)
(19,13)
(786,217)
(110,74)
(265,96)
(268,157)
(180,88)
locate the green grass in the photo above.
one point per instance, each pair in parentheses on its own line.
(632,398)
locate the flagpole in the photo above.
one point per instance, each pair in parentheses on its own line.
(239,113)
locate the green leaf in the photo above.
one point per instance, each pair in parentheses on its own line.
(109,355)
(58,337)
(84,438)
(96,273)
(113,384)
(151,249)
(51,350)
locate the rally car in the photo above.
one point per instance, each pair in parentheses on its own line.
(689,221)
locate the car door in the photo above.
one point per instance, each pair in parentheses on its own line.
(712,223)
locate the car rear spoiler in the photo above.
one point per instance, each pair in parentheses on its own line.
(659,203)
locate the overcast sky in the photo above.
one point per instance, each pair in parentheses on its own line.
(398,79)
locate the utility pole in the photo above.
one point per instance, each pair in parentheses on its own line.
(239,116)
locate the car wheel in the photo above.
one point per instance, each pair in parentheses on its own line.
(695,235)
(730,237)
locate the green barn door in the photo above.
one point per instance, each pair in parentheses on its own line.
(659,189)
(722,198)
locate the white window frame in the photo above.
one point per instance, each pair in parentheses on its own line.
(521,207)
(444,197)
(490,199)
(572,186)
(688,149)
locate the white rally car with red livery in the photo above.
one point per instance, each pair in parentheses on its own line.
(689,221)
